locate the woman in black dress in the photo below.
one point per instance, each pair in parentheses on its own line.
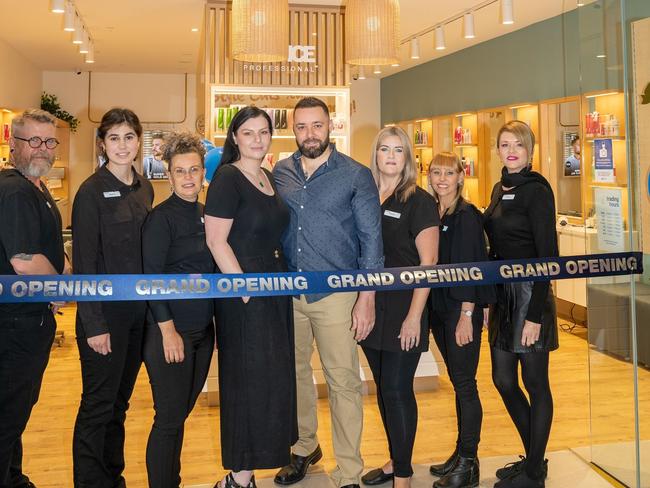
(107,216)
(410,236)
(245,219)
(457,316)
(179,337)
(520,224)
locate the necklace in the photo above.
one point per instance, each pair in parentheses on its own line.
(254,176)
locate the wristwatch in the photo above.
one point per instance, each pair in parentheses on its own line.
(468,313)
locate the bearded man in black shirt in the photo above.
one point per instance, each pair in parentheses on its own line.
(30,244)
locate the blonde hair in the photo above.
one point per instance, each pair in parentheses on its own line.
(408,179)
(449,160)
(523,133)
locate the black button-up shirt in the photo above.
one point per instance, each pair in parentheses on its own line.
(30,223)
(335,216)
(107,218)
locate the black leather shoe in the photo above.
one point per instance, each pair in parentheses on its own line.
(520,480)
(440,470)
(512,469)
(376,477)
(297,469)
(464,474)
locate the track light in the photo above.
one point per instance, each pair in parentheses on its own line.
(507,15)
(468,26)
(362,73)
(83,47)
(440,38)
(58,6)
(78,34)
(69,18)
(90,56)
(377,70)
(415,48)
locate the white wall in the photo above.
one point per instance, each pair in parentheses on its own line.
(365,115)
(157,99)
(20,83)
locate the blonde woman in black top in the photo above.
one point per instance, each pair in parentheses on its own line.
(520,223)
(393,347)
(179,337)
(457,316)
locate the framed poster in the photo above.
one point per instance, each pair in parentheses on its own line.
(153,166)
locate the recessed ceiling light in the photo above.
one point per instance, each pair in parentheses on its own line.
(195,29)
(601,56)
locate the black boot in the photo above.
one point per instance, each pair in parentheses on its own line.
(520,480)
(231,483)
(444,468)
(464,474)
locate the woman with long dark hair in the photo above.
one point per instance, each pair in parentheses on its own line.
(179,338)
(457,316)
(244,220)
(520,224)
(107,216)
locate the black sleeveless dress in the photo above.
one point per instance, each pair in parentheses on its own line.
(257,381)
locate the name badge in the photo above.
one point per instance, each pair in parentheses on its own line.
(49,205)
(444,228)
(510,196)
(202,220)
(112,194)
(390,213)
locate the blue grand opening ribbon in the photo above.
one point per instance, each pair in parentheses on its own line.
(176,286)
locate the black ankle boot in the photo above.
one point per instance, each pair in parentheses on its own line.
(444,468)
(464,474)
(231,483)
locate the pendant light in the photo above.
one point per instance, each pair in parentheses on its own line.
(468,26)
(372,32)
(415,48)
(507,14)
(440,38)
(260,30)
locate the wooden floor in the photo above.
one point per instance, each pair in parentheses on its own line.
(48,439)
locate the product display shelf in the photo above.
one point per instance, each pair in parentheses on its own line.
(603,120)
(465,143)
(278,102)
(5,132)
(422,139)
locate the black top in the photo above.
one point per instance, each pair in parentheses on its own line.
(30,223)
(173,242)
(520,223)
(107,218)
(462,241)
(401,224)
(259,219)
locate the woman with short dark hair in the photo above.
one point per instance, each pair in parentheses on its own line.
(179,336)
(107,216)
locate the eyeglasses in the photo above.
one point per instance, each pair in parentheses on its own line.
(36,142)
(182,172)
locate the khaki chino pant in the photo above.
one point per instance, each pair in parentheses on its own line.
(328,321)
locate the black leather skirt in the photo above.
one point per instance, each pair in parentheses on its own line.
(508,314)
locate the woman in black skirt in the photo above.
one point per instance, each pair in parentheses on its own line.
(520,223)
(179,337)
(245,219)
(457,316)
(401,332)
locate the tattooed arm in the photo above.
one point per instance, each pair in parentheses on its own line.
(32,264)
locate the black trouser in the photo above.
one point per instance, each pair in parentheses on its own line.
(25,343)
(533,419)
(175,388)
(393,373)
(462,363)
(108,381)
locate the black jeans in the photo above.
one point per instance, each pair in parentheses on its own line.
(462,363)
(108,381)
(393,373)
(175,388)
(25,343)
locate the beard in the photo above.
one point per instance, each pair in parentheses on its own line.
(36,166)
(313,152)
